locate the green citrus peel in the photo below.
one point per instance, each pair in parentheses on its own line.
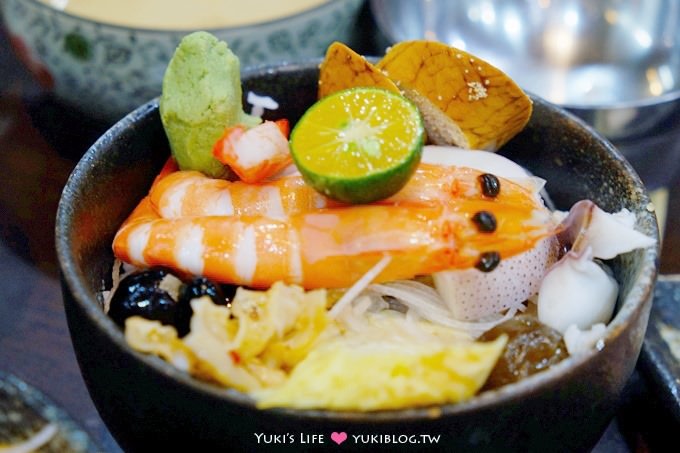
(358,145)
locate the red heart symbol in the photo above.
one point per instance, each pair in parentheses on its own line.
(339,438)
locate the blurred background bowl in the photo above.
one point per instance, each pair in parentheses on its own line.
(141,397)
(107,70)
(614,63)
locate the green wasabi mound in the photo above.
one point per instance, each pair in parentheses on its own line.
(201,96)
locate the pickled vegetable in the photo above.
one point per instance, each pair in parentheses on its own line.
(532,347)
(344,68)
(484,105)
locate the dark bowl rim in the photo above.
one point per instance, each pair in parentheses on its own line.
(254,26)
(639,296)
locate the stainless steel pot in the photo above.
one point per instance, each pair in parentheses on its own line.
(615,63)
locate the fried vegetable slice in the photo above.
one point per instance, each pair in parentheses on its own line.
(344,68)
(465,100)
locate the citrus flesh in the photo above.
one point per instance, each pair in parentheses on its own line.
(358,145)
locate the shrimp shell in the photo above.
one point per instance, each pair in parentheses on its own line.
(188,193)
(329,248)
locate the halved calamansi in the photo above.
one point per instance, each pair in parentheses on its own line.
(358,145)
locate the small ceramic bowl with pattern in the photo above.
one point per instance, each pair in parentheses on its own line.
(105,58)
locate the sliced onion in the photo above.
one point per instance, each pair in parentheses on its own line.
(358,287)
(426,303)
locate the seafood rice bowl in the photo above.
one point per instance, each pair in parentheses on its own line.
(256,289)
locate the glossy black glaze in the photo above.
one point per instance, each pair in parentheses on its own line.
(144,399)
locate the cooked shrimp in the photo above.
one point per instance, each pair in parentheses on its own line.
(331,248)
(191,193)
(255,153)
(187,193)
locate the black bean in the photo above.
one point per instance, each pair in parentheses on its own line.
(488,261)
(229,292)
(485,221)
(491,186)
(201,286)
(140,294)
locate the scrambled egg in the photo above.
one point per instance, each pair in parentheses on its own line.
(282,347)
(389,365)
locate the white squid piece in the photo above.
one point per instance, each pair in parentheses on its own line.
(578,293)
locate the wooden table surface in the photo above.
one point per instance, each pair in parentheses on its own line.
(40,143)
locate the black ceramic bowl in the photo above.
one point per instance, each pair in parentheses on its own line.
(145,401)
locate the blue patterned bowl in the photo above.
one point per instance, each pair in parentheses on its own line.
(107,70)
